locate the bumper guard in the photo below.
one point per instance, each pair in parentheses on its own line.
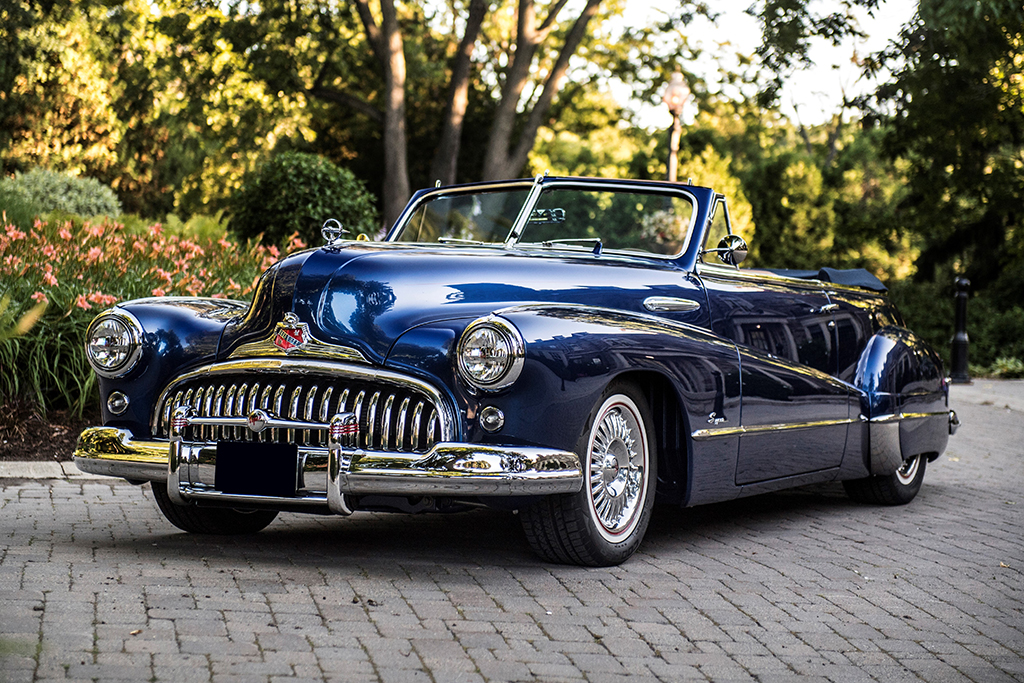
(329,477)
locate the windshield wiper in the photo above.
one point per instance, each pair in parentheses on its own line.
(596,241)
(571,240)
(457,240)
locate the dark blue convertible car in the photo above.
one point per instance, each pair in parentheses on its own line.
(574,349)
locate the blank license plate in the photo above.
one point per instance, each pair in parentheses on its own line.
(256,469)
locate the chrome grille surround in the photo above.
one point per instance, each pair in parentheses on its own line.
(308,391)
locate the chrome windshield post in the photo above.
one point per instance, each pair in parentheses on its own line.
(524,213)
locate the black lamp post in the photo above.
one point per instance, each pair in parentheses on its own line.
(960,374)
(675,97)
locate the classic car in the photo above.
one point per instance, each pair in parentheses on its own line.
(564,348)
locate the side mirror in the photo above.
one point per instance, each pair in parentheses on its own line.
(732,250)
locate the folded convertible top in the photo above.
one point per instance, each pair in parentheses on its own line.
(855,277)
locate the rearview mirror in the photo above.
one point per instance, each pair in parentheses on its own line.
(732,250)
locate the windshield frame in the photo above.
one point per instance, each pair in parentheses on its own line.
(536,186)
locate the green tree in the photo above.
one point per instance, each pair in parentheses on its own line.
(957,103)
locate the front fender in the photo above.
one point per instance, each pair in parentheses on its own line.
(904,399)
(178,332)
(574,353)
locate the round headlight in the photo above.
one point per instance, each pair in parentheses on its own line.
(113,343)
(491,354)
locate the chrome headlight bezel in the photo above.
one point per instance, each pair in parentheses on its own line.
(124,325)
(505,365)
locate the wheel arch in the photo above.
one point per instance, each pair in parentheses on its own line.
(671,431)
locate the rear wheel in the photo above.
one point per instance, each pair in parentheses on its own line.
(898,488)
(604,523)
(217,521)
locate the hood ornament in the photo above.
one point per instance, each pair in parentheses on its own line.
(291,334)
(332,231)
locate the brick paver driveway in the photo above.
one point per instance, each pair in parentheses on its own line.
(95,585)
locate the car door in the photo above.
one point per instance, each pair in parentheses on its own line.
(795,412)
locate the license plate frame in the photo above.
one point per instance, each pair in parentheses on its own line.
(257,469)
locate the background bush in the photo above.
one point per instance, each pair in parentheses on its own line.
(996,330)
(17,208)
(296,192)
(62,272)
(45,191)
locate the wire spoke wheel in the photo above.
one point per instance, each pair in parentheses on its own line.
(604,523)
(618,463)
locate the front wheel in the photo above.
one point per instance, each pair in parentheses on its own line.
(602,524)
(898,488)
(217,521)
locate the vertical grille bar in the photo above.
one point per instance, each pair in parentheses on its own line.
(417,415)
(400,426)
(307,414)
(371,419)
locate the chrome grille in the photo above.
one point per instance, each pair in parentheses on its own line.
(390,417)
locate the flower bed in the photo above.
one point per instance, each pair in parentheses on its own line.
(66,271)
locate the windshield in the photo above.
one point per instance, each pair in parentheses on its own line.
(564,217)
(485,217)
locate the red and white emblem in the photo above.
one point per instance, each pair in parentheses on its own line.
(290,333)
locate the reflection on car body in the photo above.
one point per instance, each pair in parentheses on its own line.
(562,347)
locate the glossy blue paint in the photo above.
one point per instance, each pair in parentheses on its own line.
(179,334)
(766,382)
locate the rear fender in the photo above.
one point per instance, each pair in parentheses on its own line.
(904,400)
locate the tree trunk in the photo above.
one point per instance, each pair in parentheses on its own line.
(446,158)
(386,41)
(501,159)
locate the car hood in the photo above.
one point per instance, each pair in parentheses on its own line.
(366,296)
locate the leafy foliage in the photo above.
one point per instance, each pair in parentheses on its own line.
(46,191)
(295,193)
(59,273)
(18,209)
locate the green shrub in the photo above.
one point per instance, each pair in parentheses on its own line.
(16,207)
(50,191)
(1008,368)
(929,311)
(56,275)
(295,193)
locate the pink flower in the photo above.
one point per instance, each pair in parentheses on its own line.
(40,297)
(65,234)
(219,295)
(165,276)
(49,251)
(49,279)
(102,299)
(82,302)
(224,243)
(159,292)
(14,233)
(94,255)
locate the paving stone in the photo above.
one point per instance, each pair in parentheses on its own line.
(797,585)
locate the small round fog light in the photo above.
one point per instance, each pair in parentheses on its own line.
(117,402)
(492,419)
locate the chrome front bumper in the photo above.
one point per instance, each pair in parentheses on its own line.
(330,477)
